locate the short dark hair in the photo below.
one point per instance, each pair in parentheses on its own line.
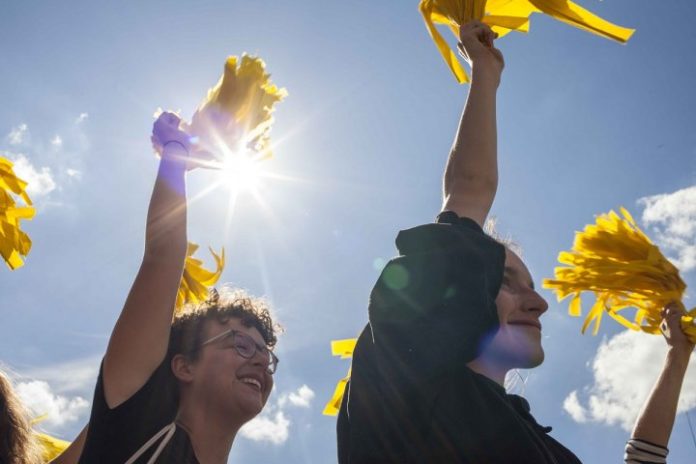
(188,326)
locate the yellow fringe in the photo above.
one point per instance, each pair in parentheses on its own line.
(14,243)
(51,447)
(236,115)
(344,349)
(624,269)
(197,281)
(507,15)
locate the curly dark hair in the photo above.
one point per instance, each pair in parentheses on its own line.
(187,329)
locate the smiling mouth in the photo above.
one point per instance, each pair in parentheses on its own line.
(536,325)
(251,382)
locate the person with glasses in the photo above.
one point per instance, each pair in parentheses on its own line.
(177,388)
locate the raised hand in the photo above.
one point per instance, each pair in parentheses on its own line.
(477,48)
(672,330)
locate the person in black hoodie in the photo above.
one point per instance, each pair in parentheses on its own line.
(450,316)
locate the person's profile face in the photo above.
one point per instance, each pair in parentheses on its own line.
(517,343)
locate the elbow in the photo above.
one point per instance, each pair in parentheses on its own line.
(476,186)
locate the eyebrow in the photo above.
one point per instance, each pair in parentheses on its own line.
(515,273)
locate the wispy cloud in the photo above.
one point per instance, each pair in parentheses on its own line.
(50,164)
(273,424)
(18,134)
(672,217)
(625,370)
(75,376)
(40,182)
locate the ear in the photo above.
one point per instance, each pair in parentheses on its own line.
(183,368)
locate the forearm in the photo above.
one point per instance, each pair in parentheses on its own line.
(165,235)
(140,338)
(471,174)
(657,417)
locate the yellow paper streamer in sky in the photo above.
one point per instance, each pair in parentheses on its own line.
(14,243)
(617,262)
(236,115)
(507,15)
(344,349)
(197,281)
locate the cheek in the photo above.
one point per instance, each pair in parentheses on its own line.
(269,383)
(505,305)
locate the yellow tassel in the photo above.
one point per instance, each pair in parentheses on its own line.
(14,243)
(344,349)
(236,116)
(624,269)
(197,281)
(51,447)
(507,15)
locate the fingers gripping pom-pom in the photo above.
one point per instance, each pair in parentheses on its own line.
(624,269)
(504,16)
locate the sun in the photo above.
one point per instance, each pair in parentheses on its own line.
(241,172)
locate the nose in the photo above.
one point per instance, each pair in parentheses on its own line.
(535,303)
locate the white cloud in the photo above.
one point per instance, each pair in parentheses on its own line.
(74,173)
(17,134)
(76,376)
(673,218)
(625,369)
(301,398)
(39,182)
(81,118)
(42,401)
(573,407)
(273,424)
(57,141)
(271,428)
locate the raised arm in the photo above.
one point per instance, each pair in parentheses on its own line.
(139,340)
(654,425)
(471,176)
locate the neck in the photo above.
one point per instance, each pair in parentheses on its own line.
(211,432)
(489,368)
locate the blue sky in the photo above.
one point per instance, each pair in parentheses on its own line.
(585,125)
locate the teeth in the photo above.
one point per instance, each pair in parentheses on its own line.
(252,382)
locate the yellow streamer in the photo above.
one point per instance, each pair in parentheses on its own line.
(197,281)
(344,349)
(236,116)
(508,15)
(624,269)
(51,447)
(14,243)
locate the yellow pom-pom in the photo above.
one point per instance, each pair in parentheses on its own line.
(236,116)
(14,243)
(507,15)
(197,281)
(624,269)
(344,349)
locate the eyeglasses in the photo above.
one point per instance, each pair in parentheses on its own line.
(246,347)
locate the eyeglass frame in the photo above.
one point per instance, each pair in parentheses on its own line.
(272,365)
